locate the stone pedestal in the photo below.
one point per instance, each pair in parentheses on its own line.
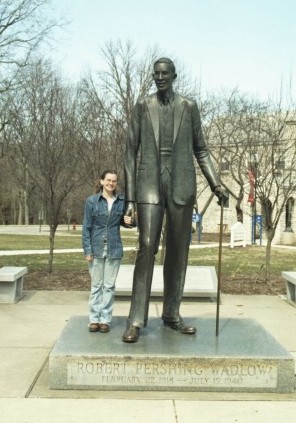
(243,358)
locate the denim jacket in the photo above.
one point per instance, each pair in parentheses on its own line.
(101,227)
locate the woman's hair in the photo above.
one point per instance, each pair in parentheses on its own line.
(98,186)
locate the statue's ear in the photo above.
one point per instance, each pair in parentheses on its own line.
(175,76)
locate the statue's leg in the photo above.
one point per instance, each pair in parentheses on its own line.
(178,234)
(150,218)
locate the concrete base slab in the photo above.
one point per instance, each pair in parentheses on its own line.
(243,358)
(201,281)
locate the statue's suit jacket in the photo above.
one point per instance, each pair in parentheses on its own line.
(142,182)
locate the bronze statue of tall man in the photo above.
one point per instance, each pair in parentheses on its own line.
(166,130)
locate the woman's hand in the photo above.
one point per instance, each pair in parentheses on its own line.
(89,258)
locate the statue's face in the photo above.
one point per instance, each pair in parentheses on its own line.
(163,76)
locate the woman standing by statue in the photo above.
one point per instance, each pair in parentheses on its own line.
(102,247)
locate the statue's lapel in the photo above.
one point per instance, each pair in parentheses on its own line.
(152,105)
(178,113)
(154,116)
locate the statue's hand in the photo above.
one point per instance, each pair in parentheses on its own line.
(223,196)
(129,208)
(129,213)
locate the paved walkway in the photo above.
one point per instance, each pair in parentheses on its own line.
(30,328)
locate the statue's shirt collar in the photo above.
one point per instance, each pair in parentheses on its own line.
(165,99)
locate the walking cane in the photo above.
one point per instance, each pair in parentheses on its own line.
(223,201)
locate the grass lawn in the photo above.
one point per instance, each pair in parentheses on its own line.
(237,262)
(41,242)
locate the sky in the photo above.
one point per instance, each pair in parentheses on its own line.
(225,44)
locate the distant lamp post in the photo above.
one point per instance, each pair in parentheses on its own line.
(255,162)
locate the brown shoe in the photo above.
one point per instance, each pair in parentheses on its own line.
(131,334)
(94,327)
(104,328)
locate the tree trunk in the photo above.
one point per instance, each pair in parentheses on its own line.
(51,247)
(2,217)
(20,209)
(267,260)
(270,236)
(208,202)
(26,208)
(239,211)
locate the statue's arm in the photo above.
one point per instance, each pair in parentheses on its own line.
(201,151)
(204,160)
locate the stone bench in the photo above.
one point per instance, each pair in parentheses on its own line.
(290,278)
(11,283)
(201,281)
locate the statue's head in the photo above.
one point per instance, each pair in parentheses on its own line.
(168,61)
(164,73)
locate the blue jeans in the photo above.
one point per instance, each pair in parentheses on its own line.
(103,272)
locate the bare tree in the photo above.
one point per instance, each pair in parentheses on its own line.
(232,125)
(44,136)
(23,25)
(252,139)
(108,98)
(126,77)
(275,171)
(96,131)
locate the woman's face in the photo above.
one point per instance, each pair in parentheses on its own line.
(109,183)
